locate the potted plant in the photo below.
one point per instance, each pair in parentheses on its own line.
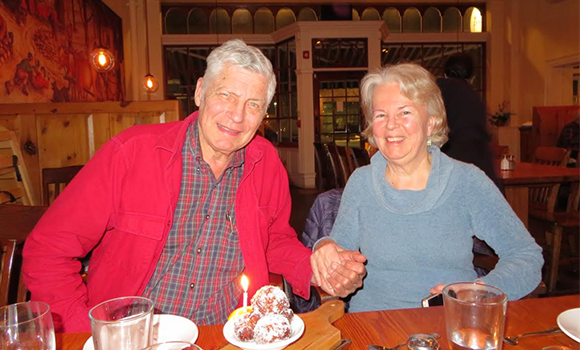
(502,116)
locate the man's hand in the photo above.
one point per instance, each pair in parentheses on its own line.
(337,271)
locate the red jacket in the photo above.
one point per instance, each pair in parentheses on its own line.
(122,202)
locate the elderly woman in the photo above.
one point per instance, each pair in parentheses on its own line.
(413,211)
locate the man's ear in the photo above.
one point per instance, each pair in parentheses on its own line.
(198,92)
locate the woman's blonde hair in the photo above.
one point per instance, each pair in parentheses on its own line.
(416,84)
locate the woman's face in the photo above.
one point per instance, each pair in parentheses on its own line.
(400,126)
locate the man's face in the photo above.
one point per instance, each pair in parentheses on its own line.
(232,109)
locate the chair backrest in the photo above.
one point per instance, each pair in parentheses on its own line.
(15,186)
(7,251)
(345,162)
(542,199)
(338,165)
(326,176)
(361,156)
(58,178)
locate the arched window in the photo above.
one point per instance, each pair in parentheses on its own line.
(370,14)
(264,21)
(242,22)
(411,20)
(392,19)
(432,21)
(307,14)
(197,22)
(176,21)
(284,17)
(219,22)
(452,20)
(355,15)
(473,21)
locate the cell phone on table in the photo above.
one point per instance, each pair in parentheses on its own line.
(433,300)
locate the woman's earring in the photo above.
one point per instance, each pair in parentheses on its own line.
(429,142)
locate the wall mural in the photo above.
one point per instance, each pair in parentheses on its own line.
(45,47)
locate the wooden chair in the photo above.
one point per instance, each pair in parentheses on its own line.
(340,167)
(542,199)
(15,186)
(16,221)
(57,178)
(326,175)
(7,251)
(361,156)
(345,162)
(546,225)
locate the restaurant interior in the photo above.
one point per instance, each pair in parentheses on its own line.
(76,73)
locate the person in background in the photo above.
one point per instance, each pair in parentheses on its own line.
(178,212)
(466,117)
(570,136)
(413,212)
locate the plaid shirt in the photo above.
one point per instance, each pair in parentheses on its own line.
(197,273)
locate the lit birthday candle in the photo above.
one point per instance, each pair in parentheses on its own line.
(245,284)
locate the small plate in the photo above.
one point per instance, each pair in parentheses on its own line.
(569,323)
(297,330)
(166,328)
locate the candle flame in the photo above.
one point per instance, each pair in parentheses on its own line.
(245,283)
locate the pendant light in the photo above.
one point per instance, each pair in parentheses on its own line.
(102,58)
(149,83)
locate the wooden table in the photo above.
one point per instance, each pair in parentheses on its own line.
(517,182)
(395,326)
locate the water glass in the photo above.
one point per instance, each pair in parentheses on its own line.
(26,326)
(474,315)
(173,345)
(122,324)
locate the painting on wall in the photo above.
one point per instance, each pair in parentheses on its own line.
(45,48)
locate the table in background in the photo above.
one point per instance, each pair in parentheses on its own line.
(517,182)
(394,326)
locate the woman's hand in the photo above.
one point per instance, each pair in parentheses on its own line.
(337,271)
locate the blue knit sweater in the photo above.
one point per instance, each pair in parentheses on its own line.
(414,240)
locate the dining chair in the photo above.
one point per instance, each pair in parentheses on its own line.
(340,169)
(345,162)
(542,198)
(56,178)
(16,222)
(361,156)
(7,252)
(326,175)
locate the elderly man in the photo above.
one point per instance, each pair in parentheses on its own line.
(177,212)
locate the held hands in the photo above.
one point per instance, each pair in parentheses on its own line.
(337,271)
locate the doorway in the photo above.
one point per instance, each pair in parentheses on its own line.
(338,115)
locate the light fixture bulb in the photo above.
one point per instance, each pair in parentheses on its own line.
(102,59)
(150,84)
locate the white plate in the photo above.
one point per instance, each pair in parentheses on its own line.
(166,328)
(569,323)
(297,330)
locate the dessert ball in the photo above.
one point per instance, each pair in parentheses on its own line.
(244,326)
(288,313)
(270,300)
(271,328)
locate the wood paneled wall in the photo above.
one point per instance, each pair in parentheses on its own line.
(53,135)
(547,123)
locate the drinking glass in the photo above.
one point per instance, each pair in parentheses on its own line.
(26,326)
(474,315)
(122,324)
(173,345)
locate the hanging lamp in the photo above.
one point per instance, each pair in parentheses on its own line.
(102,58)
(149,83)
